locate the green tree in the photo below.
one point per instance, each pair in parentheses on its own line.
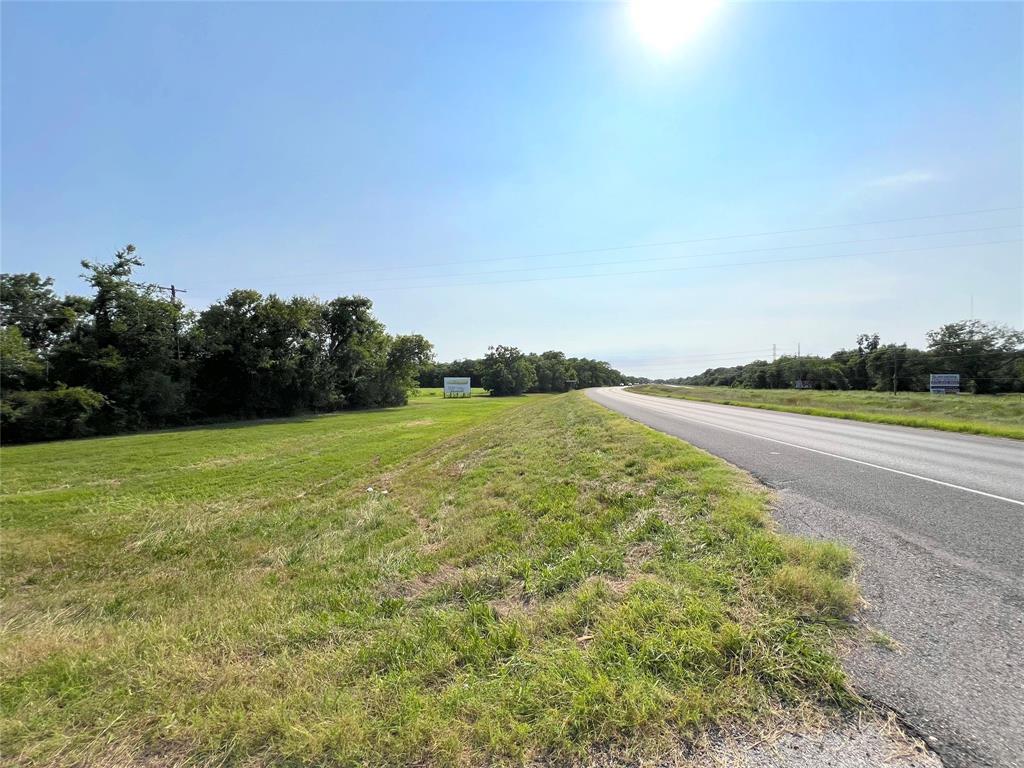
(127,353)
(406,355)
(982,353)
(20,367)
(909,366)
(263,356)
(506,371)
(29,302)
(49,414)
(355,349)
(553,371)
(127,357)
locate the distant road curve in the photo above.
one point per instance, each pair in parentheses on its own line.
(937,519)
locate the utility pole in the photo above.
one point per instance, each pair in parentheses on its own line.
(894,369)
(174,291)
(773,353)
(798,382)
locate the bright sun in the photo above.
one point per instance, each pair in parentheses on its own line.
(665,25)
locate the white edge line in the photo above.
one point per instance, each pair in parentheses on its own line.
(844,458)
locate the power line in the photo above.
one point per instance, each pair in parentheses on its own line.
(711,364)
(295,278)
(699,266)
(719,354)
(716,357)
(938,353)
(708,358)
(174,291)
(930,352)
(1002,377)
(665,243)
(684,269)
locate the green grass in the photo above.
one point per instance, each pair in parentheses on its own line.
(883,640)
(996,415)
(528,578)
(439,392)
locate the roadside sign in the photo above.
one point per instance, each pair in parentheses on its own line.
(457,386)
(944,383)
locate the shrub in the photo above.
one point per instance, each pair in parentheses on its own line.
(50,414)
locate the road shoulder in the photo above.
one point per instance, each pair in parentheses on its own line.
(963,685)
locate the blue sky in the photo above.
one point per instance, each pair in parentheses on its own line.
(405,151)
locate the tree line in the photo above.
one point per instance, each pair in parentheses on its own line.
(127,357)
(988,357)
(506,370)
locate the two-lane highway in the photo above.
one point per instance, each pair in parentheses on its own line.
(937,520)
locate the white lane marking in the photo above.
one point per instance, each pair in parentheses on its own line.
(873,430)
(677,413)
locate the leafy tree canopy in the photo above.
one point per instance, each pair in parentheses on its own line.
(127,357)
(988,357)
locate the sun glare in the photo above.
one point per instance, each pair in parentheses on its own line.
(665,25)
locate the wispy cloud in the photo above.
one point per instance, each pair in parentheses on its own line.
(905,179)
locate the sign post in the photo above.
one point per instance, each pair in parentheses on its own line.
(457,386)
(944,383)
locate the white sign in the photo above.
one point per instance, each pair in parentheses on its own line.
(944,383)
(457,386)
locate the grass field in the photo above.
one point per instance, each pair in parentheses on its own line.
(998,415)
(439,392)
(457,582)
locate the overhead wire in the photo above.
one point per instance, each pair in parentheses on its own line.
(695,267)
(615,262)
(621,273)
(665,243)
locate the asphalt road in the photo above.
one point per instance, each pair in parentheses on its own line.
(937,521)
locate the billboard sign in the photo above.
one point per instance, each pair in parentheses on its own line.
(457,386)
(944,383)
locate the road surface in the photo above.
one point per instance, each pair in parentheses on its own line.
(937,521)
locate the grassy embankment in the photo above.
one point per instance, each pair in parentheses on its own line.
(996,415)
(527,577)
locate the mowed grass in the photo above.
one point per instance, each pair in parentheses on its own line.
(996,415)
(528,579)
(422,392)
